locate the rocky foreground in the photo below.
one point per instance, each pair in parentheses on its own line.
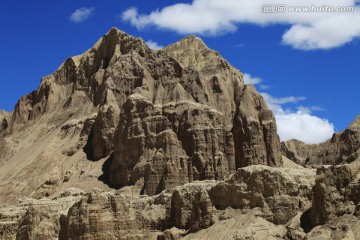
(124,142)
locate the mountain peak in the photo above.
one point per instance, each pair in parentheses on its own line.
(355,124)
(191,51)
(115,35)
(189,42)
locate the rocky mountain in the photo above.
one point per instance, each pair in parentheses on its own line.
(169,117)
(125,142)
(337,150)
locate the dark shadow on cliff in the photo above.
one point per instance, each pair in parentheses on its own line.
(106,170)
(305,221)
(88,146)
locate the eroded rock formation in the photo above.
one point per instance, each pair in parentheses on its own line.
(337,150)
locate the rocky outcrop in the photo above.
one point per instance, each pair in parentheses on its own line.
(43,219)
(237,225)
(191,207)
(278,195)
(334,212)
(37,219)
(5,149)
(336,150)
(103,131)
(148,145)
(255,132)
(101,215)
(335,192)
(280,192)
(4,122)
(298,151)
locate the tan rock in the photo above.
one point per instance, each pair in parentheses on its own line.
(191,207)
(35,219)
(336,150)
(335,192)
(4,121)
(280,192)
(241,226)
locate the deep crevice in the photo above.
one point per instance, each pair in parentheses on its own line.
(305,221)
(88,146)
(105,177)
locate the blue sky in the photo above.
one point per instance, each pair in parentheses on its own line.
(306,64)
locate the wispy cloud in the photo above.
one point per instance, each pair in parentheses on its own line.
(81,14)
(248,79)
(307,30)
(264,87)
(153,45)
(282,100)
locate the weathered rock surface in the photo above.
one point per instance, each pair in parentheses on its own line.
(335,192)
(336,150)
(339,228)
(4,121)
(241,226)
(183,211)
(280,192)
(191,207)
(37,219)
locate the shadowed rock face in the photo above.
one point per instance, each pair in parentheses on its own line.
(4,122)
(337,150)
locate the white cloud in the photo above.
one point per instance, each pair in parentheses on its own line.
(304,127)
(81,14)
(153,45)
(328,33)
(264,87)
(309,109)
(248,79)
(300,124)
(283,100)
(308,30)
